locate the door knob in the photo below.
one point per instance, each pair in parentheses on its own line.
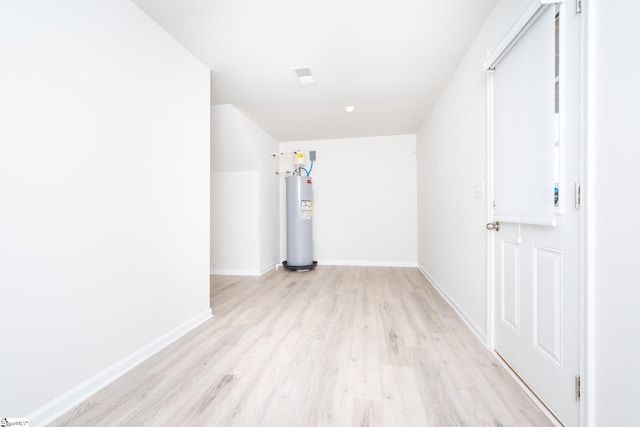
(493,226)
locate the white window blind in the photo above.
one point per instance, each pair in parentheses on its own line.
(524,124)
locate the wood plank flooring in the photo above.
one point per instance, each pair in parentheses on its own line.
(336,346)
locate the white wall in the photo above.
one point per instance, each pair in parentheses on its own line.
(452,150)
(614,209)
(235,223)
(451,165)
(104,198)
(244,195)
(269,203)
(364,200)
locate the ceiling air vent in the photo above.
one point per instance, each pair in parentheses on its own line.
(304,75)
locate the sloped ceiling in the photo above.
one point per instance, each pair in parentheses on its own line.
(388,58)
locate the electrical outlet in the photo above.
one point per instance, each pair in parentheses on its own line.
(312,156)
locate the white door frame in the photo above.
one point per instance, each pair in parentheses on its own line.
(586,318)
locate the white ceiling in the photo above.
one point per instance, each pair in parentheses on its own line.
(388,58)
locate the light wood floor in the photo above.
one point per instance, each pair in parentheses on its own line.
(337,346)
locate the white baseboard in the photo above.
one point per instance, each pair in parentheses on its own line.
(71,398)
(267,269)
(368,263)
(482,336)
(232,272)
(235,272)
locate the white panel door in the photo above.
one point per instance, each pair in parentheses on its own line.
(536,264)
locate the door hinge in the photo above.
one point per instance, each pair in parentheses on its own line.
(578,195)
(577,388)
(578,6)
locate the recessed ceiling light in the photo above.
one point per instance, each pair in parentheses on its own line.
(350,108)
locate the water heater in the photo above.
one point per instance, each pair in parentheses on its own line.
(299,223)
